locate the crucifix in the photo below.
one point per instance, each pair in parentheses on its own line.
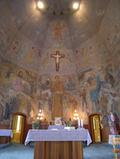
(57,57)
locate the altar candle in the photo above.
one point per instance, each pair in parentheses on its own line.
(82,123)
(78,122)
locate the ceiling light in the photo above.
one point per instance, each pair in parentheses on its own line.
(40,5)
(75,5)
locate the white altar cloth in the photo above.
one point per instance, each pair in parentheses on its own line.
(58,135)
(6,132)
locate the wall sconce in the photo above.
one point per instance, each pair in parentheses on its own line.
(76,5)
(40,5)
(75,115)
(40,115)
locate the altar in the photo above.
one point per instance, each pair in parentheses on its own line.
(58,144)
(5,135)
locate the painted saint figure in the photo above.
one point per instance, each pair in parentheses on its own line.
(113,121)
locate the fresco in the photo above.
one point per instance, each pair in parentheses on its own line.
(90,71)
(24,91)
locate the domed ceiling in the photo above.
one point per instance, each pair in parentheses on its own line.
(28,36)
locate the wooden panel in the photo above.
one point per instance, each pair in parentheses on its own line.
(67,150)
(58,150)
(4,140)
(39,151)
(77,150)
(105,134)
(4,126)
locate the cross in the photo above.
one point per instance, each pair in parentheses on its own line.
(57,57)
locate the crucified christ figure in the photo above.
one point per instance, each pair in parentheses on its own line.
(57,57)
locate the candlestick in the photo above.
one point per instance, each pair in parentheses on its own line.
(79,123)
(82,123)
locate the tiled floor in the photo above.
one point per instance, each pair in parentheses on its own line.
(94,151)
